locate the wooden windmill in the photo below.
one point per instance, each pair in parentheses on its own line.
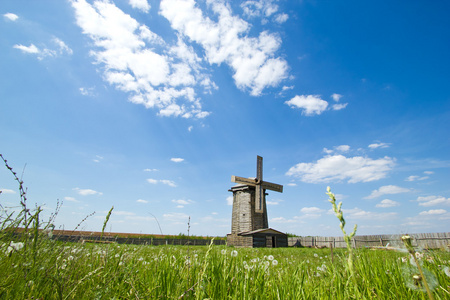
(249,217)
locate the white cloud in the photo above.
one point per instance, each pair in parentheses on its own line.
(291,184)
(428,172)
(168,182)
(343,148)
(71,199)
(339,167)
(7,191)
(183,202)
(281,18)
(339,106)
(140,4)
(229,200)
(163,181)
(11,16)
(87,192)
(311,210)
(387,190)
(177,159)
(433,212)
(142,201)
(387,203)
(262,8)
(415,178)
(164,81)
(378,145)
(433,200)
(336,97)
(225,41)
(87,91)
(62,48)
(151,170)
(311,104)
(32,49)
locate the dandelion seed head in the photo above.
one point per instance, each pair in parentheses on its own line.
(270,257)
(234,253)
(274,262)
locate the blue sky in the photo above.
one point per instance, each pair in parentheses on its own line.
(151,106)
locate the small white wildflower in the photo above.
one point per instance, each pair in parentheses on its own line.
(419,255)
(316,255)
(234,253)
(321,257)
(16,246)
(70,258)
(117,255)
(120,263)
(274,262)
(447,271)
(270,257)
(307,261)
(63,266)
(404,259)
(141,259)
(412,261)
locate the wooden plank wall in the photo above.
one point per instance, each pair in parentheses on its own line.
(420,240)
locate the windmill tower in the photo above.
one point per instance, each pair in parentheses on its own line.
(249,217)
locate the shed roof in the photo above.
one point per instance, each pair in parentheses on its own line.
(264,230)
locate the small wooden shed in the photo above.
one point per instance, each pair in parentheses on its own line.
(264,238)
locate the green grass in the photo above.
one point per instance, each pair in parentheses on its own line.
(57,270)
(33,266)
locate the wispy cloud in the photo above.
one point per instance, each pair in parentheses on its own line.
(59,49)
(416,178)
(386,203)
(71,199)
(378,145)
(11,16)
(7,191)
(338,167)
(433,212)
(151,170)
(163,181)
(87,192)
(177,159)
(142,201)
(433,200)
(387,190)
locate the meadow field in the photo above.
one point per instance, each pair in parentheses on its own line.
(56,270)
(34,265)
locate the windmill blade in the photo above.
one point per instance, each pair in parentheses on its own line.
(259,199)
(243,180)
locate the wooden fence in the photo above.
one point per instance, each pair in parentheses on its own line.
(138,241)
(420,240)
